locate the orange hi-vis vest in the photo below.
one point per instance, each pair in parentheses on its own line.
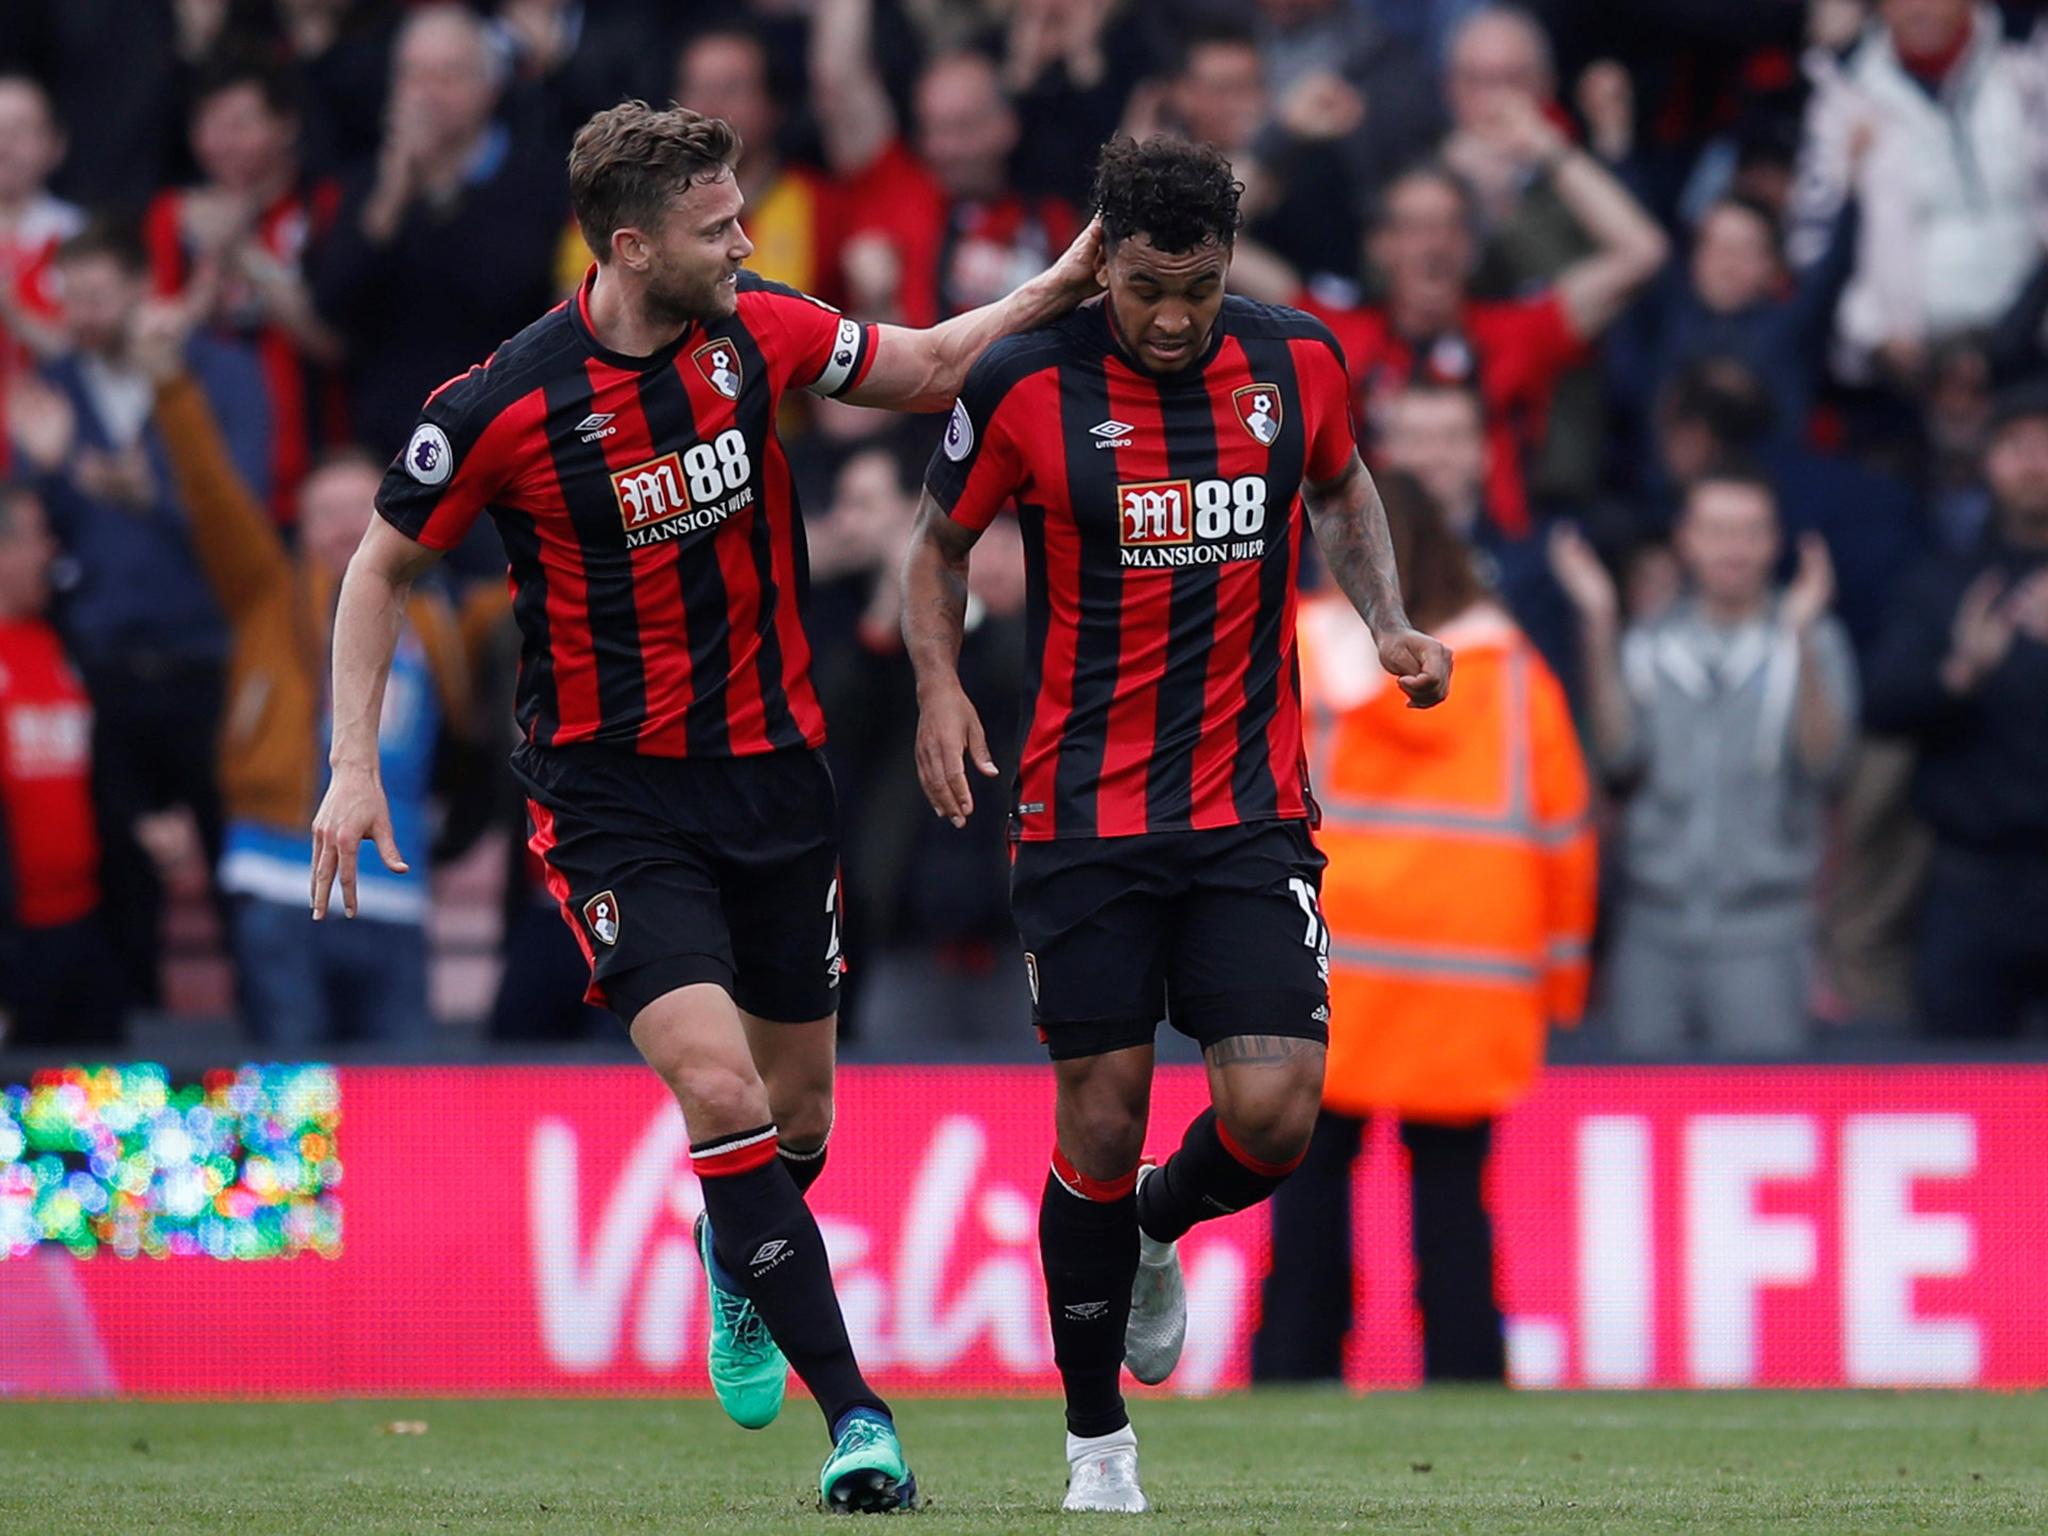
(1461,885)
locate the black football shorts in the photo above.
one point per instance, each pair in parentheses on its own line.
(673,871)
(1218,931)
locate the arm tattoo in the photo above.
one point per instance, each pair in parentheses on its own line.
(1351,528)
(1258,1050)
(935,590)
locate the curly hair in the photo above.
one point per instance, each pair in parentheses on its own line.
(1177,193)
(630,160)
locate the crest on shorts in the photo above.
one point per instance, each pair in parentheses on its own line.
(601,917)
(1258,408)
(719,362)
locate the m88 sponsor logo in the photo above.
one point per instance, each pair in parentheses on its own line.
(681,493)
(1163,523)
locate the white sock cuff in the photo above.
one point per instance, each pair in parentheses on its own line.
(1078,1446)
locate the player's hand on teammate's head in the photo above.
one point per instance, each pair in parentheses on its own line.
(948,734)
(1420,663)
(1079,269)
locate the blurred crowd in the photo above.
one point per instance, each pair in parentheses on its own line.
(1713,333)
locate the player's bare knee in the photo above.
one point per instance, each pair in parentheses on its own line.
(719,1099)
(1103,1104)
(1271,1112)
(1275,1133)
(803,1117)
(1102,1131)
(1105,1144)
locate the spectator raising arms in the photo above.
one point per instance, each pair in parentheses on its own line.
(239,242)
(1733,300)
(1430,329)
(940,231)
(1726,720)
(450,244)
(305,985)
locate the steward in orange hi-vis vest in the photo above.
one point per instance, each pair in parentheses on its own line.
(1458,899)
(1460,889)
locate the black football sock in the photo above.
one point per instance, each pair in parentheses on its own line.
(1088,1239)
(804,1165)
(1209,1176)
(765,1238)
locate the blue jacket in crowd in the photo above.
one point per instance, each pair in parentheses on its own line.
(135,583)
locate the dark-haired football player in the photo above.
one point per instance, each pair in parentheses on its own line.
(1166,450)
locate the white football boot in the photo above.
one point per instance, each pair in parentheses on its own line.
(1102,1474)
(1159,1306)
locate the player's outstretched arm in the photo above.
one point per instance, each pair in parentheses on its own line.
(1351,527)
(924,370)
(934,620)
(366,625)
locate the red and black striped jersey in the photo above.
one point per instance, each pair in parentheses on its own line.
(657,554)
(1162,523)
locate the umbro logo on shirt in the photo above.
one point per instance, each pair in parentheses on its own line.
(596,425)
(1112,433)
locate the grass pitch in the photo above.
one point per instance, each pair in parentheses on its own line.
(1478,1461)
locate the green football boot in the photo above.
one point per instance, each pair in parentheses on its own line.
(866,1473)
(747,1369)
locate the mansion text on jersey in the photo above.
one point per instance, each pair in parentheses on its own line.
(1149,557)
(676,524)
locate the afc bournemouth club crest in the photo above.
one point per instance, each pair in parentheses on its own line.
(719,362)
(1258,407)
(601,917)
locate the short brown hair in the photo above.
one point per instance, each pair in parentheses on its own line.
(630,161)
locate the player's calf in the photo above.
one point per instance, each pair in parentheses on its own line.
(1088,1241)
(761,1235)
(764,1237)
(1266,1090)
(1087,1230)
